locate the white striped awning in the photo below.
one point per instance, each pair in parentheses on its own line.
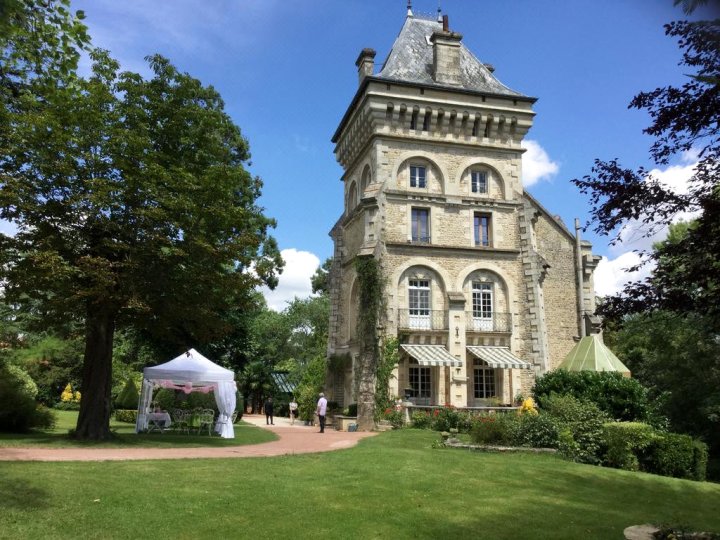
(498,357)
(432,355)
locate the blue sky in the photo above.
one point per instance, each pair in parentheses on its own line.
(285,69)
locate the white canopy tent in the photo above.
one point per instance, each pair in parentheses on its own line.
(189,372)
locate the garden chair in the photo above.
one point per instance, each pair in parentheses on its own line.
(206,419)
(180,420)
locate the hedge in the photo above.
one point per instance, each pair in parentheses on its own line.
(126,415)
(624,440)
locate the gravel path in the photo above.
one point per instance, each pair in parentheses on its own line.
(297,439)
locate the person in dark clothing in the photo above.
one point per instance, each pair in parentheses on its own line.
(269,411)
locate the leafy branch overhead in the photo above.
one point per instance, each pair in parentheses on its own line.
(130,196)
(685,121)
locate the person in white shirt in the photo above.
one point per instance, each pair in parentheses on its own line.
(321,411)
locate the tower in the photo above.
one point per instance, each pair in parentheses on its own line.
(480,280)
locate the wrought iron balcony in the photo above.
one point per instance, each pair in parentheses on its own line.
(417,319)
(490,322)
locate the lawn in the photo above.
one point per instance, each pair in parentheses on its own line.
(125,436)
(394,485)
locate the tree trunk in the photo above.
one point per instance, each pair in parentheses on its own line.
(366,393)
(94,418)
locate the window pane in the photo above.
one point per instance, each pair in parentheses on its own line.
(479,181)
(482,229)
(420,229)
(417,176)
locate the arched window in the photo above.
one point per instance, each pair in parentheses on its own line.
(352,197)
(419,303)
(482,306)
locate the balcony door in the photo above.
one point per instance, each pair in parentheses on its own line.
(482,306)
(419,304)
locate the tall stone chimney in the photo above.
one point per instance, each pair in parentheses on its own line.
(365,63)
(446,55)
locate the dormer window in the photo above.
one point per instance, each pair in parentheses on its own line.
(417,176)
(479,182)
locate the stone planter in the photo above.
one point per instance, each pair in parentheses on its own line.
(341,422)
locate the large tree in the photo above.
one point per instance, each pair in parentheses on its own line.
(686,277)
(132,206)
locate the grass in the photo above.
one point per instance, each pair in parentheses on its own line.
(394,485)
(125,436)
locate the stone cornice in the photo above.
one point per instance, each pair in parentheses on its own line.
(467,250)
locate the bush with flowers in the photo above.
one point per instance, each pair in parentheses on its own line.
(528,407)
(490,428)
(421,419)
(394,416)
(69,400)
(445,418)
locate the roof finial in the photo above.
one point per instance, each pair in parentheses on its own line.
(439,17)
(409,13)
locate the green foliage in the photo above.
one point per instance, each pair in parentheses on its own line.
(445,418)
(147,178)
(580,427)
(678,359)
(680,456)
(352,409)
(27,385)
(165,399)
(394,416)
(320,280)
(129,397)
(624,440)
(534,430)
(386,364)
(622,398)
(490,429)
(128,416)
(421,420)
(370,301)
(19,411)
(310,387)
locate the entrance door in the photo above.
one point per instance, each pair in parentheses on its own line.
(482,305)
(420,382)
(484,387)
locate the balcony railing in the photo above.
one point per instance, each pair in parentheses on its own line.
(492,322)
(415,319)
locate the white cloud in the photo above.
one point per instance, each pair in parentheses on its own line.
(536,163)
(610,274)
(641,236)
(295,279)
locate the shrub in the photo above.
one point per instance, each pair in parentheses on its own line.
(126,415)
(534,430)
(394,416)
(489,429)
(445,418)
(421,420)
(239,406)
(129,396)
(165,398)
(580,427)
(673,454)
(624,441)
(18,410)
(622,398)
(352,409)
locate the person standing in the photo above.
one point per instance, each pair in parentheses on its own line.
(293,411)
(269,411)
(321,411)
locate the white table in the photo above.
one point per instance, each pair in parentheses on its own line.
(158,421)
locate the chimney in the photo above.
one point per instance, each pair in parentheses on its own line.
(446,55)
(365,64)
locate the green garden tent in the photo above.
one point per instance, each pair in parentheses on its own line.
(591,354)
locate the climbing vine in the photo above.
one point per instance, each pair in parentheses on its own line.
(385,366)
(370,304)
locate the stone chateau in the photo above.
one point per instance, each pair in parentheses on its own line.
(485,289)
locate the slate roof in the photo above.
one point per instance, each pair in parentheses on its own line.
(411,59)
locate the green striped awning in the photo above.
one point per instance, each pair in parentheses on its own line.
(432,355)
(498,357)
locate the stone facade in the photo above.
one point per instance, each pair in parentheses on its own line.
(433,190)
